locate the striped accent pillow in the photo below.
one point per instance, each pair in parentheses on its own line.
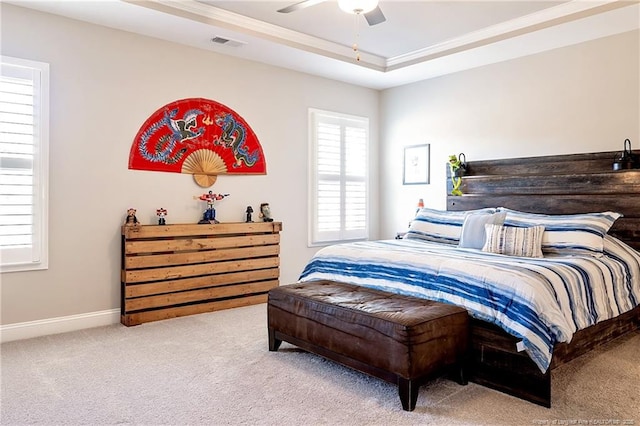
(512,241)
(567,234)
(440,226)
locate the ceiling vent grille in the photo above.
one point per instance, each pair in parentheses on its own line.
(227,41)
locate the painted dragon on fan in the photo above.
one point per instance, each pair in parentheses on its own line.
(234,136)
(181,130)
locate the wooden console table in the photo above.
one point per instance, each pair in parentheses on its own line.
(175,270)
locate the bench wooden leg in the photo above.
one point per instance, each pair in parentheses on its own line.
(274,343)
(408,391)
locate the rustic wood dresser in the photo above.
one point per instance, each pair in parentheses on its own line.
(175,270)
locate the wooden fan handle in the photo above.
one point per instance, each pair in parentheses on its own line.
(205,181)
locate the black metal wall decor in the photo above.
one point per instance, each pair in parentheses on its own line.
(627,159)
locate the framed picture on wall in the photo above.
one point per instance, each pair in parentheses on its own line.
(416,165)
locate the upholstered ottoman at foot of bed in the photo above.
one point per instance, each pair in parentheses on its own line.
(403,340)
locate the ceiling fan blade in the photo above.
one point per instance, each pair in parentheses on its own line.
(375,17)
(300,5)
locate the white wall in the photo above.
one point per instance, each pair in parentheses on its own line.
(104,84)
(582,98)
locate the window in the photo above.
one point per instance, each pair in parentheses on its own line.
(24,140)
(338,177)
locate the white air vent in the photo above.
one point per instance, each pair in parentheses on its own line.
(227,41)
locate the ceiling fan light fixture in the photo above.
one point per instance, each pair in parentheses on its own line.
(357,6)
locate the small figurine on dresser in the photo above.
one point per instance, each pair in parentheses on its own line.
(131,219)
(161,213)
(249,211)
(265,212)
(209,215)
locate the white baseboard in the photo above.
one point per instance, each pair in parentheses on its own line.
(27,330)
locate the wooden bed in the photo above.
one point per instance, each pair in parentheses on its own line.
(558,184)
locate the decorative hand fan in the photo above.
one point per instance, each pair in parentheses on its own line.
(199,137)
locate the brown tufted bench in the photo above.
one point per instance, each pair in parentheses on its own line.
(403,340)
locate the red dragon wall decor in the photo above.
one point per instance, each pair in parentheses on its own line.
(199,137)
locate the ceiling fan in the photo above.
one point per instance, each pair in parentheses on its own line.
(368,8)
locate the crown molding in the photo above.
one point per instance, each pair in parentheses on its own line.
(207,14)
(565,12)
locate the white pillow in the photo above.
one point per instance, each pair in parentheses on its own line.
(513,241)
(473,232)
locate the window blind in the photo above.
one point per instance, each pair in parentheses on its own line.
(23,149)
(338,196)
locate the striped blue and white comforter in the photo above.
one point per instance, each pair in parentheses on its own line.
(539,300)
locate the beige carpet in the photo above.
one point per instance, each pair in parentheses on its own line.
(216,369)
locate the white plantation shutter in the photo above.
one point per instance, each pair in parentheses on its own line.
(338,194)
(24,87)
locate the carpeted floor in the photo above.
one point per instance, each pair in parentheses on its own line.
(216,369)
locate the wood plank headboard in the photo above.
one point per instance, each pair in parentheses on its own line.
(556,184)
